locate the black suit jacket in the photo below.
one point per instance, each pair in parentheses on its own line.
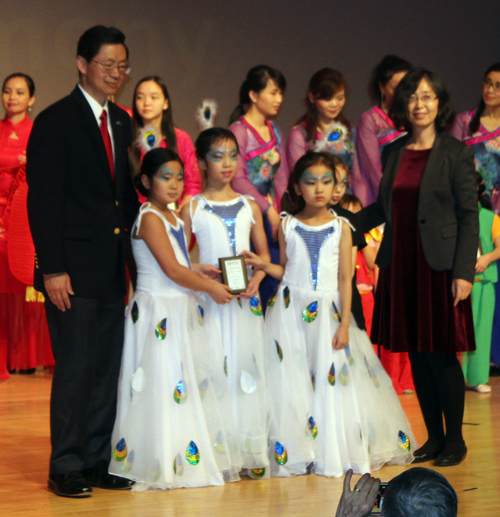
(447,208)
(77,215)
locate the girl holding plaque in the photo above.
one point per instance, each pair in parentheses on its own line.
(334,405)
(225,223)
(173,425)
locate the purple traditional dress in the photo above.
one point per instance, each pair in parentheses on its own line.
(486,145)
(337,140)
(375,131)
(262,174)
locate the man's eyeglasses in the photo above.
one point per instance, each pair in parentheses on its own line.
(123,68)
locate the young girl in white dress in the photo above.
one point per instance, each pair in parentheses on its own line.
(173,426)
(224,223)
(326,381)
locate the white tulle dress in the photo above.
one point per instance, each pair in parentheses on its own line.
(222,230)
(174,425)
(334,408)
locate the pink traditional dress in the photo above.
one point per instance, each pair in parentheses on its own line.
(186,152)
(262,173)
(24,337)
(375,130)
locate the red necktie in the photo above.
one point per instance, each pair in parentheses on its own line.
(107,142)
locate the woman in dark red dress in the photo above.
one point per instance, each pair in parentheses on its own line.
(24,337)
(427,199)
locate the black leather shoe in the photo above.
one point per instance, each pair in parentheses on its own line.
(71,484)
(99,477)
(448,460)
(422,457)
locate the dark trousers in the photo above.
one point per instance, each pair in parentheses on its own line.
(269,285)
(87,342)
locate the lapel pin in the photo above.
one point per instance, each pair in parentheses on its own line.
(118,123)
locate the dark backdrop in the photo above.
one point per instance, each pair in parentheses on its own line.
(203,49)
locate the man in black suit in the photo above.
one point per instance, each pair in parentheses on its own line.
(81,202)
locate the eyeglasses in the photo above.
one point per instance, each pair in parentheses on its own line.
(123,68)
(487,83)
(424,99)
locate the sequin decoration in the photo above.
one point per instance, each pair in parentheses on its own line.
(161,329)
(404,441)
(239,302)
(247,382)
(310,312)
(192,454)
(279,351)
(255,306)
(372,373)
(201,315)
(335,312)
(180,392)
(335,135)
(311,425)
(227,215)
(202,388)
(313,380)
(129,462)
(348,355)
(135,312)
(331,375)
(120,450)
(225,365)
(138,380)
(219,443)
(257,473)
(280,454)
(286,296)
(181,240)
(314,239)
(344,375)
(178,466)
(272,299)
(156,472)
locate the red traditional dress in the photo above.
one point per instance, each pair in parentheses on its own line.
(24,337)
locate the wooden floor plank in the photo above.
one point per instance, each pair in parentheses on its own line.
(25,448)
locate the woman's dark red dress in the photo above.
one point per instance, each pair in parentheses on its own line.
(414,305)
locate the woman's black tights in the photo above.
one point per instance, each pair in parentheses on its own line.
(440,387)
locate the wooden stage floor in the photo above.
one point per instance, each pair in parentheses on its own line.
(25,447)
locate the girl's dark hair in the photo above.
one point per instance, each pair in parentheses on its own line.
(383,73)
(29,82)
(256,81)
(167,123)
(151,162)
(323,85)
(350,199)
(209,137)
(311,158)
(408,86)
(474,123)
(483,198)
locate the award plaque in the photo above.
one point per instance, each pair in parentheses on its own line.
(234,273)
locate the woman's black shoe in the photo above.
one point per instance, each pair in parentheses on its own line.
(71,484)
(454,458)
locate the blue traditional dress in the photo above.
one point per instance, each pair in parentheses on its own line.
(486,145)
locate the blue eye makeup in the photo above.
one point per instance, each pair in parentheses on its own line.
(307,176)
(165,173)
(217,155)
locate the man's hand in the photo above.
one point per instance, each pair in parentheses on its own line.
(58,287)
(360,501)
